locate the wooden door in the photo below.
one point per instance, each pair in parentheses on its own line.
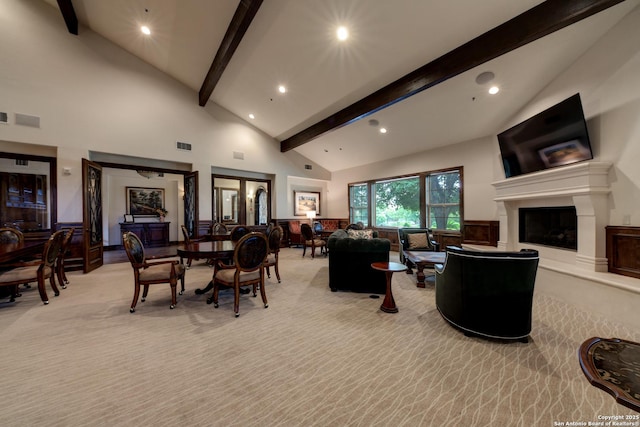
(191,203)
(92,215)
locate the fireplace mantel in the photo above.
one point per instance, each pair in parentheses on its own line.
(584,185)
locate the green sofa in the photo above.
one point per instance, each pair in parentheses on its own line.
(350,263)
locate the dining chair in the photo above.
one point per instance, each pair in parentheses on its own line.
(11,235)
(147,273)
(238,231)
(35,271)
(64,247)
(218,228)
(274,238)
(309,240)
(247,269)
(187,240)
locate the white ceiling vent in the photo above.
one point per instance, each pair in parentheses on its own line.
(238,155)
(27,120)
(183,146)
(4,118)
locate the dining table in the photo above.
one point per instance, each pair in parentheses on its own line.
(15,251)
(213,250)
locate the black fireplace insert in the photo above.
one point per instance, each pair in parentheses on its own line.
(552,226)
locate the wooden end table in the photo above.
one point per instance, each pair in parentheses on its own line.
(613,365)
(389,304)
(422,260)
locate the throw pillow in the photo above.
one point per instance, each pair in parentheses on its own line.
(418,241)
(360,234)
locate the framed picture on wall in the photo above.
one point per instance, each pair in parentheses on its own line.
(145,201)
(306,201)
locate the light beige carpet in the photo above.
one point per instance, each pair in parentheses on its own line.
(313,358)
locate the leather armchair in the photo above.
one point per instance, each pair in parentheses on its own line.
(403,240)
(487,293)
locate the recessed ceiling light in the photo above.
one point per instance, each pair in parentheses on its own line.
(251,116)
(342,33)
(145,30)
(494,89)
(282,89)
(383,130)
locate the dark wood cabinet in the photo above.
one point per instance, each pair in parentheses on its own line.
(150,233)
(623,247)
(481,232)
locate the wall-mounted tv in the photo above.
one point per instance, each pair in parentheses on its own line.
(555,137)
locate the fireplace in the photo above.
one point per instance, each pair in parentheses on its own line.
(582,186)
(550,226)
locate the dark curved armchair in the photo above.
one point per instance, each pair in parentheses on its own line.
(407,242)
(487,293)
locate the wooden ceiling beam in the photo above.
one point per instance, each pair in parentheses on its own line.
(242,18)
(69,15)
(541,20)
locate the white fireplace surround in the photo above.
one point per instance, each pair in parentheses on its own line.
(584,185)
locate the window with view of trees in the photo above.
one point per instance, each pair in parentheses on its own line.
(358,203)
(397,202)
(427,199)
(443,200)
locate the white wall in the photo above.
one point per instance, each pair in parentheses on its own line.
(93,96)
(479,158)
(607,77)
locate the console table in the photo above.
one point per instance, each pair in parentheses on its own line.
(150,233)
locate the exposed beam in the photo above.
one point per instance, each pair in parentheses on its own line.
(242,18)
(542,20)
(69,15)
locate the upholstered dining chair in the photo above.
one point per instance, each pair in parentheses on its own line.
(36,271)
(147,273)
(218,228)
(64,247)
(187,240)
(237,232)
(274,238)
(11,235)
(247,269)
(309,240)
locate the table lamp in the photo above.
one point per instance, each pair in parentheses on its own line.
(311,215)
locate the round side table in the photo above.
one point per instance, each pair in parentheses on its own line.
(389,304)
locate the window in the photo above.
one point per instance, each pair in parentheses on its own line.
(397,202)
(359,203)
(428,199)
(443,200)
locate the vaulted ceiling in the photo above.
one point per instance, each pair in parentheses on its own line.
(409,66)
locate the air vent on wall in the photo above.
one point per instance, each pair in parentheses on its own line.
(308,167)
(3,117)
(20,162)
(27,120)
(238,155)
(183,146)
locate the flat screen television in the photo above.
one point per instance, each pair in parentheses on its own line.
(555,137)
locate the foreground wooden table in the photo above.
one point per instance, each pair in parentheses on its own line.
(422,260)
(389,304)
(613,365)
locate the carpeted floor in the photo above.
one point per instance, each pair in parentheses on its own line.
(313,358)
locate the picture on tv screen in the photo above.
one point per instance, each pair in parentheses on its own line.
(555,137)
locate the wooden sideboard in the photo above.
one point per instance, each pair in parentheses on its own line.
(623,247)
(150,233)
